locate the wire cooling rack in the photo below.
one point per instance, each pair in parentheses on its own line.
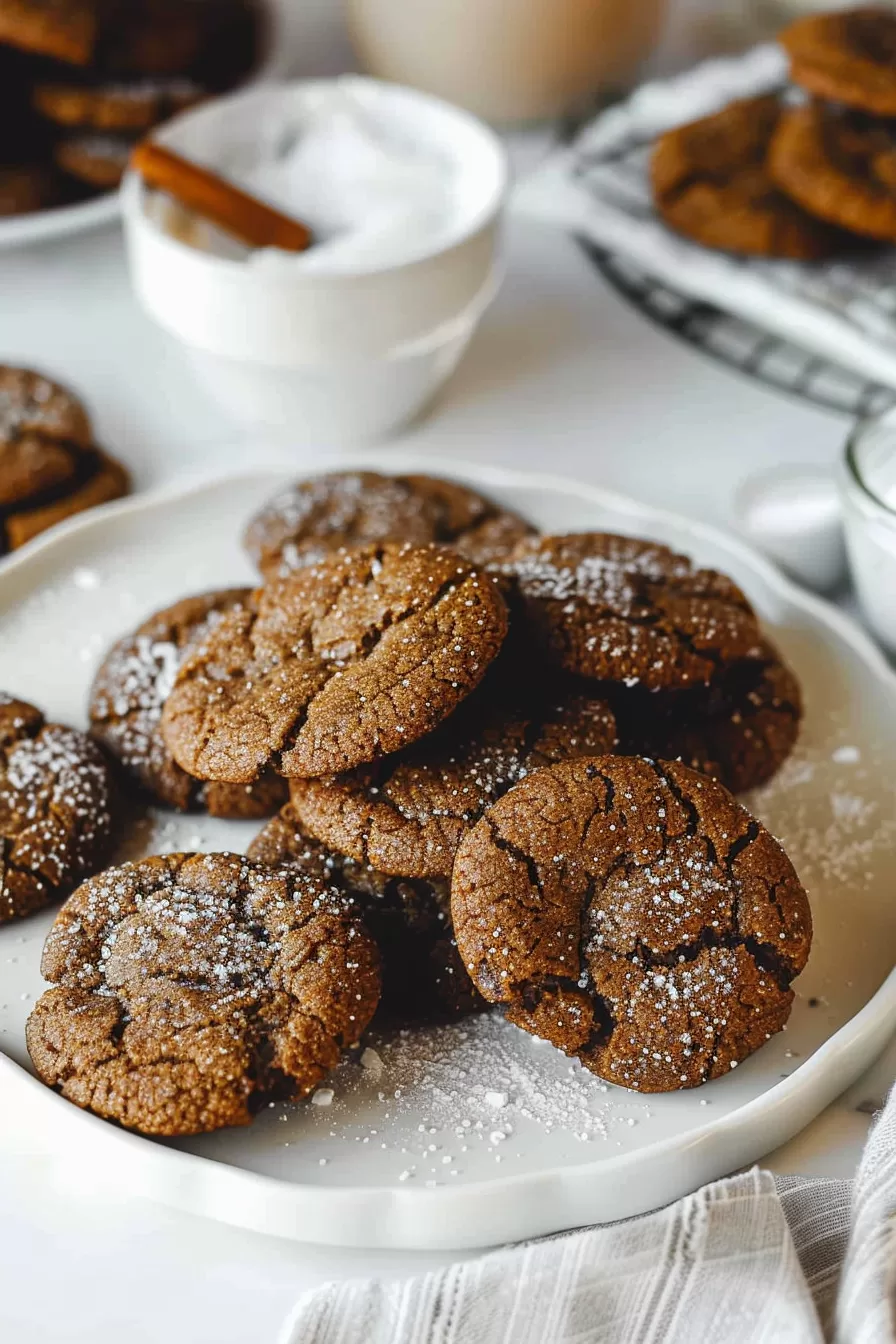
(742,346)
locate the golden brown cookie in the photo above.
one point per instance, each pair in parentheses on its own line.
(741,735)
(410,919)
(25,188)
(216,41)
(97,160)
(100,480)
(621,609)
(126,704)
(117,106)
(44,435)
(839,164)
(635,915)
(407,814)
(190,988)
(848,56)
(64,29)
(306,522)
(56,794)
(335,666)
(711,184)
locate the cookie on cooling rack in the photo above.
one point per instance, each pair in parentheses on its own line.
(711,183)
(848,56)
(841,165)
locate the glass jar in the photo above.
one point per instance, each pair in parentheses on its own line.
(868,493)
(509,61)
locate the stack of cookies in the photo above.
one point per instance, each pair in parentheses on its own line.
(804,174)
(498,763)
(50,465)
(82,80)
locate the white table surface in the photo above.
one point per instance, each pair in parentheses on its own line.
(562,373)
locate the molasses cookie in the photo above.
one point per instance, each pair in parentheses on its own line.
(190,988)
(848,56)
(64,29)
(55,809)
(839,164)
(312,518)
(100,480)
(620,609)
(216,41)
(97,160)
(126,705)
(44,434)
(406,814)
(410,919)
(741,735)
(114,106)
(711,184)
(27,187)
(335,666)
(632,913)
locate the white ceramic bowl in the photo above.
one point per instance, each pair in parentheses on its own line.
(350,356)
(292,316)
(351,401)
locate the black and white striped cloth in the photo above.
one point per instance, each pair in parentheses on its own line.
(843,310)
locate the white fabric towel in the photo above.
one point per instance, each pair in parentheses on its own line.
(748,1260)
(843,310)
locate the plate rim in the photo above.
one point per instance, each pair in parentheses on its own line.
(429,1218)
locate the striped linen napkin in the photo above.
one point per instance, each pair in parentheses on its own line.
(748,1260)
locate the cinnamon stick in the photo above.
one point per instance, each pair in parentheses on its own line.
(216,199)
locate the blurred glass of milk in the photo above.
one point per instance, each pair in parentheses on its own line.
(509,61)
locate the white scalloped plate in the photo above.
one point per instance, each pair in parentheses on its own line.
(442,1165)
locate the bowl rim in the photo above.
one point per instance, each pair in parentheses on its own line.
(133,192)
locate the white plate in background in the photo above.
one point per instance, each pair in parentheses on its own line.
(441,1165)
(45,225)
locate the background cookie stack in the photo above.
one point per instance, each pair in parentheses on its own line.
(82,80)
(50,466)
(806,174)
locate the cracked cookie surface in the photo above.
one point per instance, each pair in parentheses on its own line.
(44,432)
(741,736)
(189,988)
(848,56)
(307,521)
(711,183)
(335,665)
(410,919)
(406,814)
(621,609)
(128,696)
(56,795)
(840,164)
(635,915)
